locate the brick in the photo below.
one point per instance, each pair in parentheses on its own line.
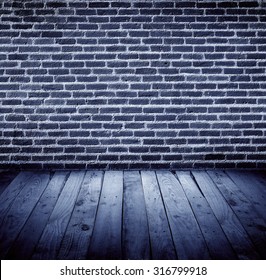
(34,19)
(248,4)
(128,12)
(153,82)
(145,71)
(120,19)
(34,5)
(56,4)
(120,5)
(99,5)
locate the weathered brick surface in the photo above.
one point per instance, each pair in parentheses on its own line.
(132,84)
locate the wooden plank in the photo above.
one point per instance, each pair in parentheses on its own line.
(11,192)
(24,245)
(162,246)
(254,225)
(53,233)
(21,209)
(6,177)
(229,222)
(262,175)
(216,240)
(106,237)
(252,188)
(187,237)
(136,243)
(77,238)
(254,179)
(259,178)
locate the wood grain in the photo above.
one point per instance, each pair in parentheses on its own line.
(106,238)
(187,236)
(216,240)
(136,243)
(6,177)
(77,238)
(53,233)
(254,225)
(253,189)
(9,194)
(162,246)
(133,215)
(21,209)
(25,243)
(229,222)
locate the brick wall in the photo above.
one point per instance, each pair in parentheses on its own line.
(131,84)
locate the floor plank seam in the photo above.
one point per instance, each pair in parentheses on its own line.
(166,214)
(140,214)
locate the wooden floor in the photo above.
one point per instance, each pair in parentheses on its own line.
(133,215)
